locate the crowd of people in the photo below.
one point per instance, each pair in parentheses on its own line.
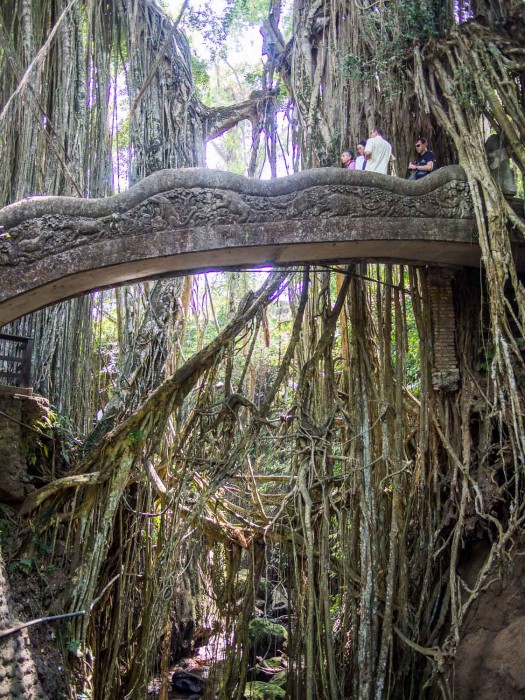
(375,156)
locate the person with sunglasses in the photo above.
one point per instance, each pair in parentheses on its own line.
(425,163)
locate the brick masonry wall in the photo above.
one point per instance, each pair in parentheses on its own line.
(445,371)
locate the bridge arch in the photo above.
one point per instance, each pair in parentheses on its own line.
(182,221)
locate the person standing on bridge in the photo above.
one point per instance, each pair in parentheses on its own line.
(360,161)
(377,152)
(347,160)
(425,164)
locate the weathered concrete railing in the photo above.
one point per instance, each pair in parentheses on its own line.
(178,221)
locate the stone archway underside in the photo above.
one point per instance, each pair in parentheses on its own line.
(181,221)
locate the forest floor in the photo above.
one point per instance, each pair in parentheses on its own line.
(205,664)
(490,661)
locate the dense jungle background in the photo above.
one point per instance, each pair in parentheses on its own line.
(215,436)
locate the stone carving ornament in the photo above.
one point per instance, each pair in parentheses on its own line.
(183,221)
(169,201)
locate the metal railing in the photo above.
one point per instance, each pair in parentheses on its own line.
(15,360)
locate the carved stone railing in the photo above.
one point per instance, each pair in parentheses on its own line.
(179,221)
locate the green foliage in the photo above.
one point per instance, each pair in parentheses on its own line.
(400,25)
(215,27)
(106,352)
(233,143)
(248,12)
(280,679)
(254,78)
(336,601)
(485,359)
(258,690)
(465,88)
(264,586)
(74,647)
(418,20)
(383,65)
(5,528)
(21,566)
(64,433)
(520,182)
(413,357)
(201,77)
(136,436)
(266,637)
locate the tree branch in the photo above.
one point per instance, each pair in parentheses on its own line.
(217,121)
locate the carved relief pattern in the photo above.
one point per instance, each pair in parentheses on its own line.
(188,208)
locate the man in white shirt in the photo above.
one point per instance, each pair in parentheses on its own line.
(377,153)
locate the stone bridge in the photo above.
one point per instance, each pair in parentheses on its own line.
(182,221)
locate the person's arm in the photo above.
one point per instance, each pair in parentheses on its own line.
(426,167)
(368,150)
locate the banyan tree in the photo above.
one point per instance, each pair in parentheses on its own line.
(397,483)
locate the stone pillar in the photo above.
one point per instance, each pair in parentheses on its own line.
(445,369)
(18,409)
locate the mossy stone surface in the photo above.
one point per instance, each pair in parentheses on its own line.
(263,589)
(266,637)
(280,679)
(256,690)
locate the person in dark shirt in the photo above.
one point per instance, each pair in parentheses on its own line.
(426,162)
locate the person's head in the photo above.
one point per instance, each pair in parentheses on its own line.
(346,157)
(421,146)
(377,132)
(361,147)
